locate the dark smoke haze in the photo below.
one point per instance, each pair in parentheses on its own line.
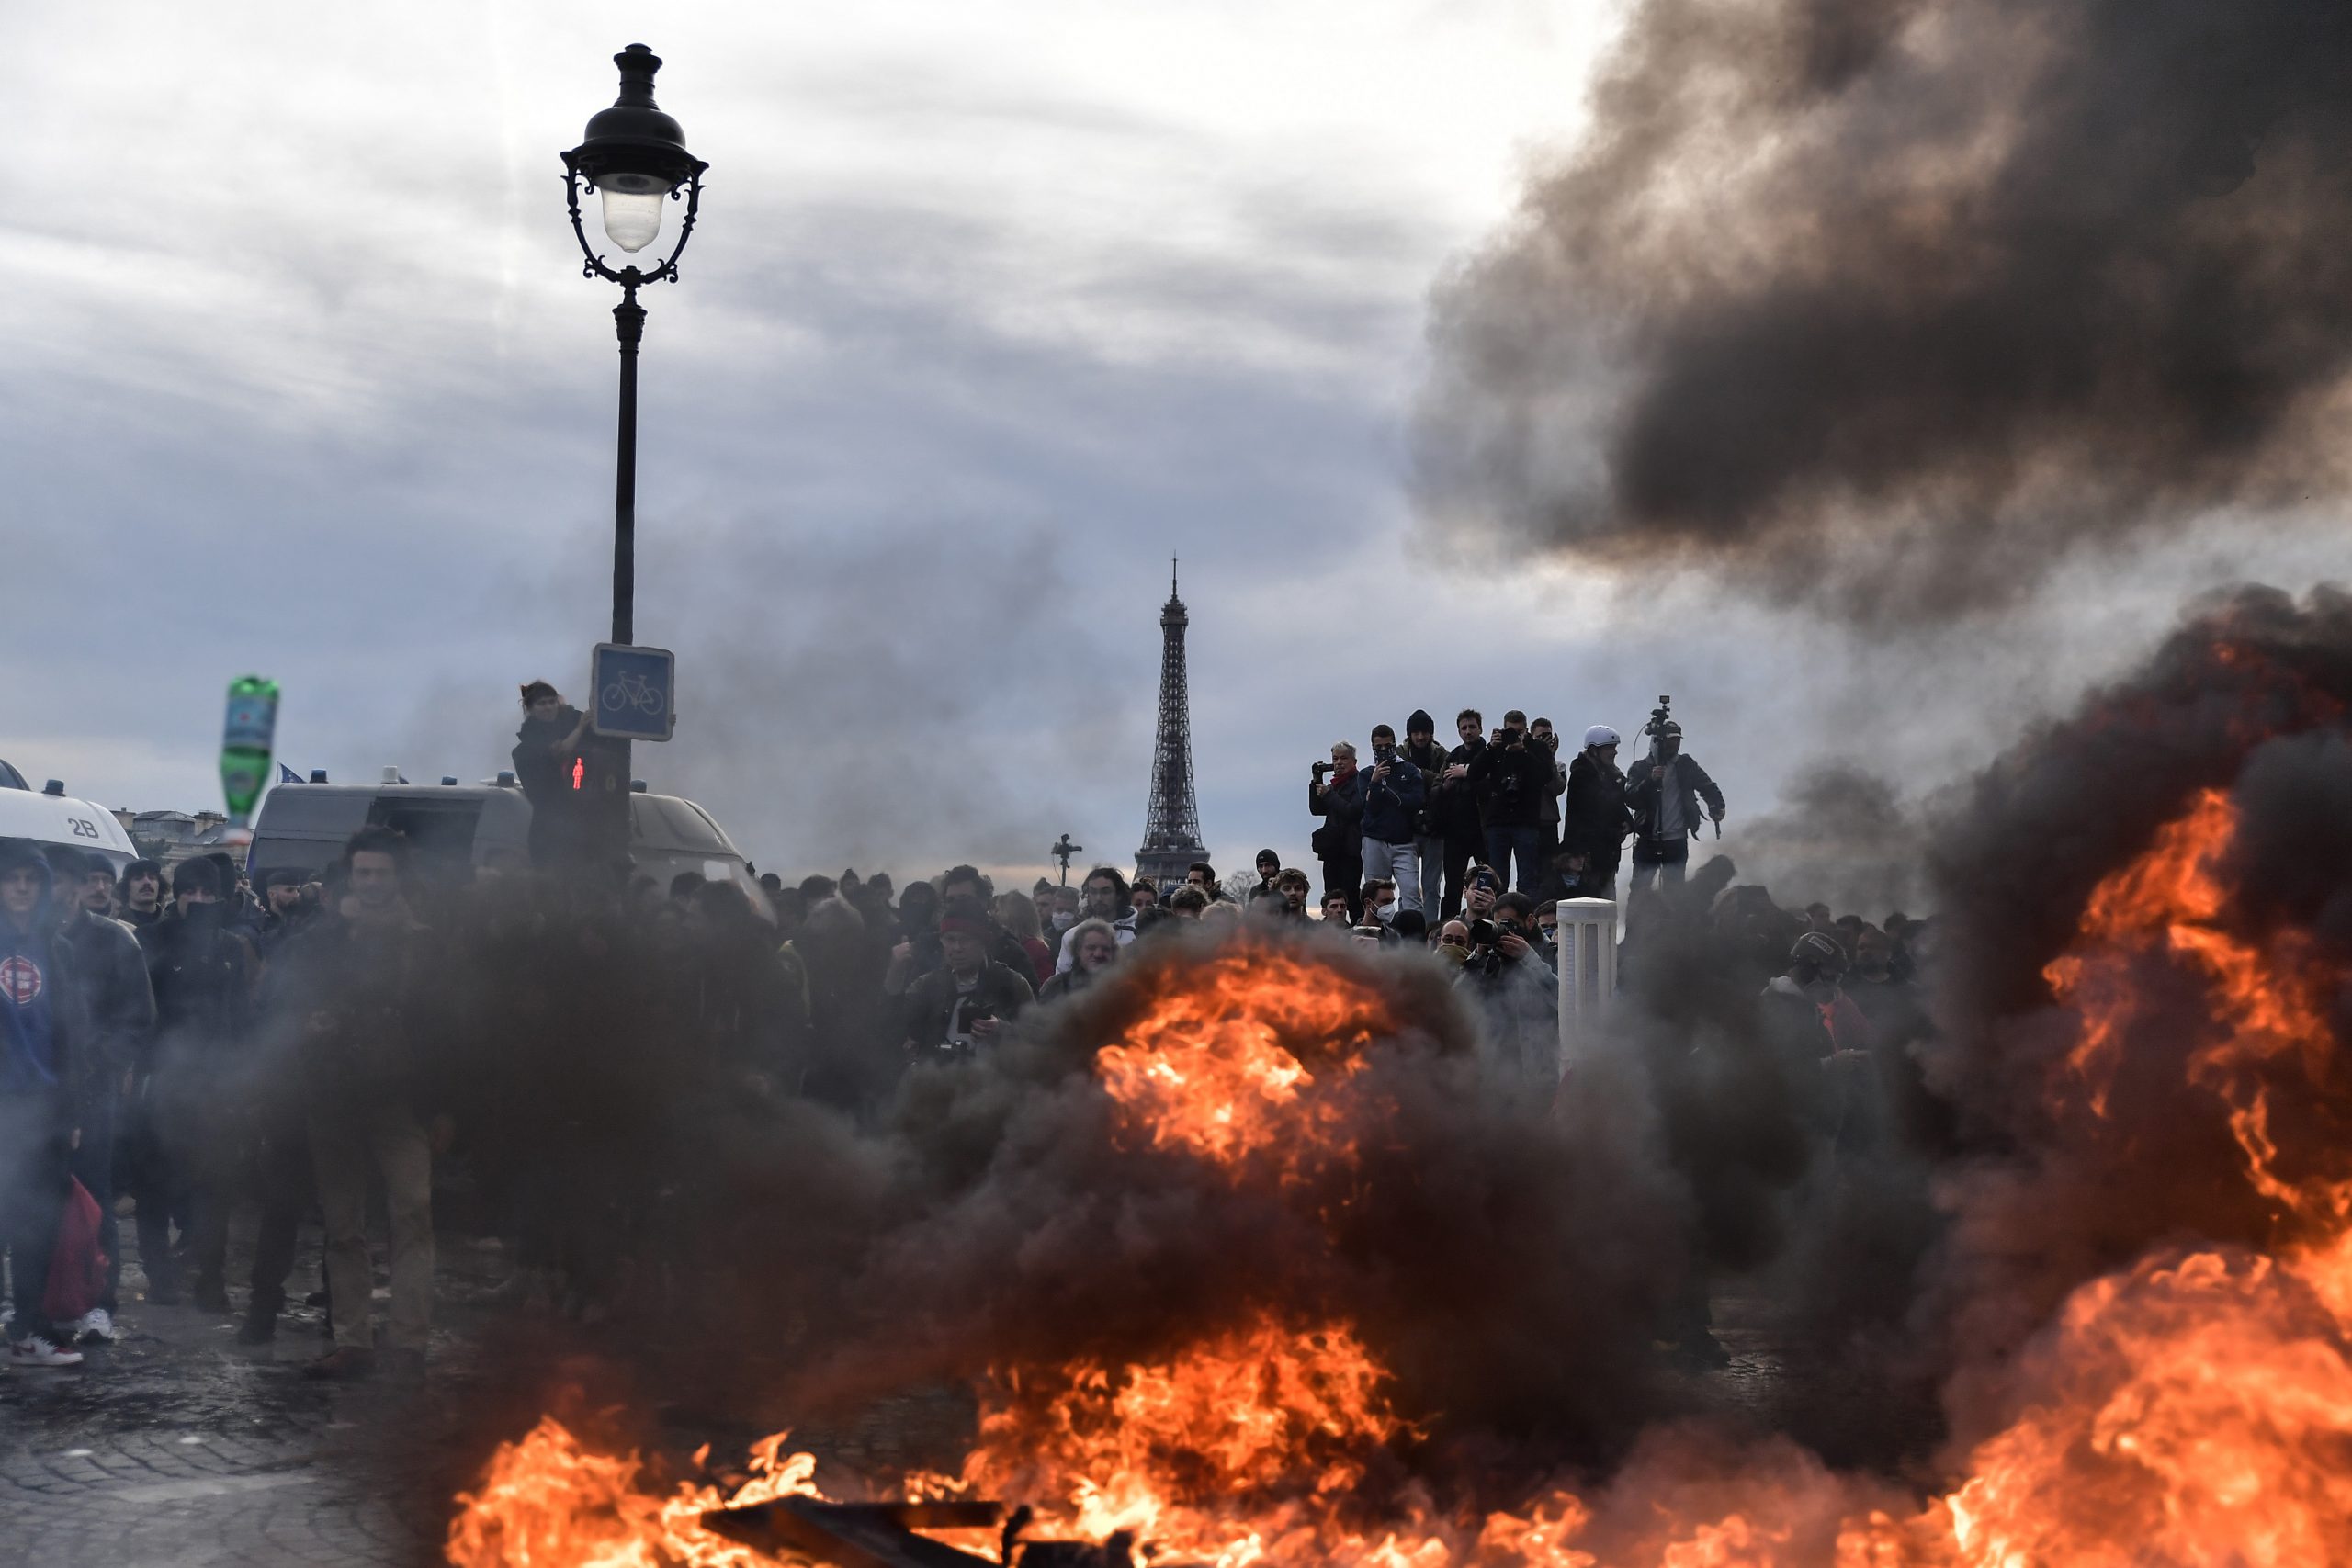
(1891,304)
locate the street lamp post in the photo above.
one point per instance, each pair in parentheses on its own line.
(634,157)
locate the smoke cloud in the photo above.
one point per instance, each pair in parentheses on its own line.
(1889,305)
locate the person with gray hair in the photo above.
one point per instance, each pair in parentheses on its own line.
(1095,947)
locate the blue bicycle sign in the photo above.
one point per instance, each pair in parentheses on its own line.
(635,690)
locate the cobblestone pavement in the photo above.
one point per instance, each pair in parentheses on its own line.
(178,1446)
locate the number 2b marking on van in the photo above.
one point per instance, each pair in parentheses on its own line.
(83,828)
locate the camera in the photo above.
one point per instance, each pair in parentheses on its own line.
(1322,768)
(1484,934)
(1660,715)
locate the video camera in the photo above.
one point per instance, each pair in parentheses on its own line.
(1660,717)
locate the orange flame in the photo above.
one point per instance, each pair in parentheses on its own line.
(2194,1409)
(1236,1055)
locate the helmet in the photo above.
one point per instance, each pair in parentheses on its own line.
(1599,735)
(1823,952)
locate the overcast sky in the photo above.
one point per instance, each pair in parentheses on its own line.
(995,306)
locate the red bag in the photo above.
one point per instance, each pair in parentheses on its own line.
(77,1269)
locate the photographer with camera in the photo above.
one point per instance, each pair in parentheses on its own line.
(1454,810)
(1421,750)
(1513,776)
(1339,843)
(964,1005)
(1663,790)
(1516,993)
(1394,791)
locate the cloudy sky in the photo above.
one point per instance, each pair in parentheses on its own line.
(995,306)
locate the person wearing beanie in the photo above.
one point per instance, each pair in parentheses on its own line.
(962,1007)
(1428,757)
(39,1097)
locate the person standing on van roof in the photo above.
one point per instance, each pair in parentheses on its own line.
(550,763)
(120,1008)
(39,1095)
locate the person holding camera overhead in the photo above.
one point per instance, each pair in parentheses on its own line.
(1339,843)
(1513,777)
(1664,789)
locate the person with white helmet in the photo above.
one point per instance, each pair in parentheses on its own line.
(1664,789)
(1594,822)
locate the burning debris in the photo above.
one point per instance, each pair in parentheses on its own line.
(1248,1264)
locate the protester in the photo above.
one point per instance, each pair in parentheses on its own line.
(196,1080)
(366,989)
(1428,759)
(1105,895)
(1187,902)
(1339,842)
(1455,811)
(1663,791)
(40,1029)
(118,1009)
(1142,896)
(1292,890)
(1096,946)
(1202,875)
(550,763)
(1516,994)
(1018,916)
(963,1006)
(1541,733)
(1270,867)
(140,894)
(1513,777)
(1394,796)
(1594,822)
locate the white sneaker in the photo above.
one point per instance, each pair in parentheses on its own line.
(94,1327)
(36,1351)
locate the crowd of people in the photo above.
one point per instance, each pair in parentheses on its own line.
(183,1046)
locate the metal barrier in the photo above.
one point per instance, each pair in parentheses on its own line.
(1588,971)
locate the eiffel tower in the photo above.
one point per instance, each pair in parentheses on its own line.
(1171,828)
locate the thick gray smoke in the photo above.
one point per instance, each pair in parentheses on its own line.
(1890,304)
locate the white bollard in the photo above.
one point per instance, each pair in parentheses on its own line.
(1588,971)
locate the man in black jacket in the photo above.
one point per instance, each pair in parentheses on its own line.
(1664,789)
(40,1029)
(1453,809)
(963,1006)
(1428,757)
(1339,843)
(196,1083)
(1594,824)
(1513,776)
(119,1007)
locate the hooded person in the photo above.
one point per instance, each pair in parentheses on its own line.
(40,1027)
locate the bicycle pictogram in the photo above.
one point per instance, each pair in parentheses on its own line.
(633,690)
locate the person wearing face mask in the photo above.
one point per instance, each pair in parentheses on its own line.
(1594,822)
(1663,791)
(1339,843)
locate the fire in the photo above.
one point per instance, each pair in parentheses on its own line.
(1239,1053)
(546,1500)
(2194,1408)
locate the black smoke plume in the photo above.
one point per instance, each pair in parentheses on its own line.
(1890,305)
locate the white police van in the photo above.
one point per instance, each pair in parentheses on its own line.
(53,819)
(452,827)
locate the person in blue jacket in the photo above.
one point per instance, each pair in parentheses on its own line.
(1393,793)
(39,1095)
